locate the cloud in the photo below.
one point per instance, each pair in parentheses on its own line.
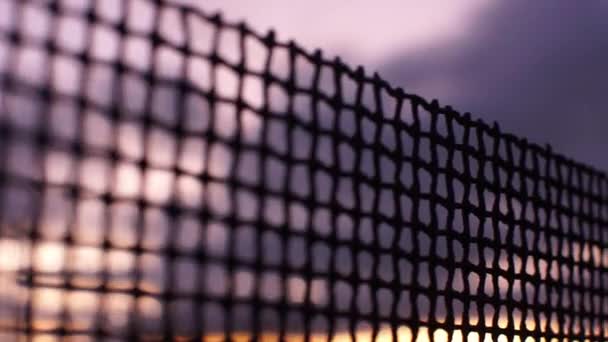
(536,68)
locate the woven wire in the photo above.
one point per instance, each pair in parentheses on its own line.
(168,175)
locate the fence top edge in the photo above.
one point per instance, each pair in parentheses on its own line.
(361,74)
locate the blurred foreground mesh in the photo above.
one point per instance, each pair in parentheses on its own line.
(166,175)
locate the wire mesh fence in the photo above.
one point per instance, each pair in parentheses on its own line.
(168,175)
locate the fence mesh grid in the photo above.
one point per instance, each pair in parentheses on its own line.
(167,175)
